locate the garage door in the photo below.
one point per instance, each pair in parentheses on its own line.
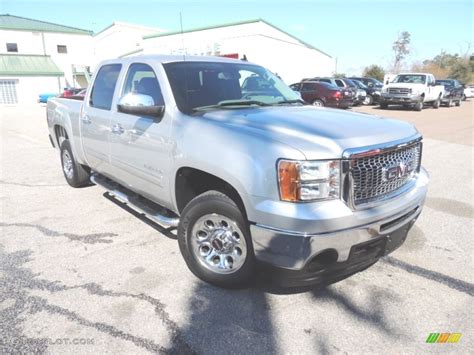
(8,91)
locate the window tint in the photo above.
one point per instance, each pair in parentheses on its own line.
(307,87)
(295,87)
(104,86)
(198,84)
(339,83)
(62,48)
(12,47)
(141,79)
(325,80)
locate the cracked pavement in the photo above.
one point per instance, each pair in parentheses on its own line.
(80,273)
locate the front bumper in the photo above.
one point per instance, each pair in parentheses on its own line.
(391,99)
(324,271)
(331,229)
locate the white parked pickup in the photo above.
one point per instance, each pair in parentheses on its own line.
(412,90)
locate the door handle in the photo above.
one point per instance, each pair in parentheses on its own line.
(117,129)
(86,119)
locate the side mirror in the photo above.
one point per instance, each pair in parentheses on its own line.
(386,83)
(140,105)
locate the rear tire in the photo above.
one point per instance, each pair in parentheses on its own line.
(75,174)
(214,240)
(318,103)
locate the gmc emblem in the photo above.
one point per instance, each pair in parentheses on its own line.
(401,169)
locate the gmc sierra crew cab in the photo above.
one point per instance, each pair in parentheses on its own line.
(228,154)
(412,90)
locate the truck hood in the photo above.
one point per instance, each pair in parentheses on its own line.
(318,133)
(405,85)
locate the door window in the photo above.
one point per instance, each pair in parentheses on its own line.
(307,87)
(141,79)
(104,86)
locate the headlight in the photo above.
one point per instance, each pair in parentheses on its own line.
(308,180)
(384,90)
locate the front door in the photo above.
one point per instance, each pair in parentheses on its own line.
(139,145)
(95,118)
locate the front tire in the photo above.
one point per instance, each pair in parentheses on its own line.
(418,106)
(369,100)
(75,174)
(436,103)
(458,103)
(214,240)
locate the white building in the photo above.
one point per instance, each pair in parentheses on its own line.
(38,57)
(119,38)
(259,41)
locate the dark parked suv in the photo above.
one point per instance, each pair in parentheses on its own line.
(453,92)
(373,93)
(323,94)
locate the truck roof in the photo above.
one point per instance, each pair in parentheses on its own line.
(410,73)
(173,58)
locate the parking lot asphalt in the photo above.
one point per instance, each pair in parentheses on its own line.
(80,274)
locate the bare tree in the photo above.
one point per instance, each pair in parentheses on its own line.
(401,49)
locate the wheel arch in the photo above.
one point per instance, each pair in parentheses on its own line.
(191,182)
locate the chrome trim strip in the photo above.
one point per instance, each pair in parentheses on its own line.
(382,148)
(378,222)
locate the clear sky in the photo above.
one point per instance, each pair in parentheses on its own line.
(357,32)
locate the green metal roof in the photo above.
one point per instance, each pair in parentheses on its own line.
(235,24)
(28,65)
(10,22)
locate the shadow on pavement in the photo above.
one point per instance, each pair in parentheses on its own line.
(217,320)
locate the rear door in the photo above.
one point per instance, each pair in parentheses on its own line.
(95,118)
(307,92)
(139,145)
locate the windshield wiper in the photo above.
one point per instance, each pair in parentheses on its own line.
(228,103)
(296,101)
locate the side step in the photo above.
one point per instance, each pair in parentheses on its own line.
(152,210)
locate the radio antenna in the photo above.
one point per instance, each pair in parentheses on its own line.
(182,36)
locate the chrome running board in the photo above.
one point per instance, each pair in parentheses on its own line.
(152,210)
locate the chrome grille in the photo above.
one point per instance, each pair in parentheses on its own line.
(399,91)
(376,176)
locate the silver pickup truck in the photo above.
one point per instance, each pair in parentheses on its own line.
(223,150)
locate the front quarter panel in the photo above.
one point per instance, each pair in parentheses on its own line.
(241,157)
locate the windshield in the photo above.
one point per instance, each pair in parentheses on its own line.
(359,84)
(410,79)
(203,84)
(350,83)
